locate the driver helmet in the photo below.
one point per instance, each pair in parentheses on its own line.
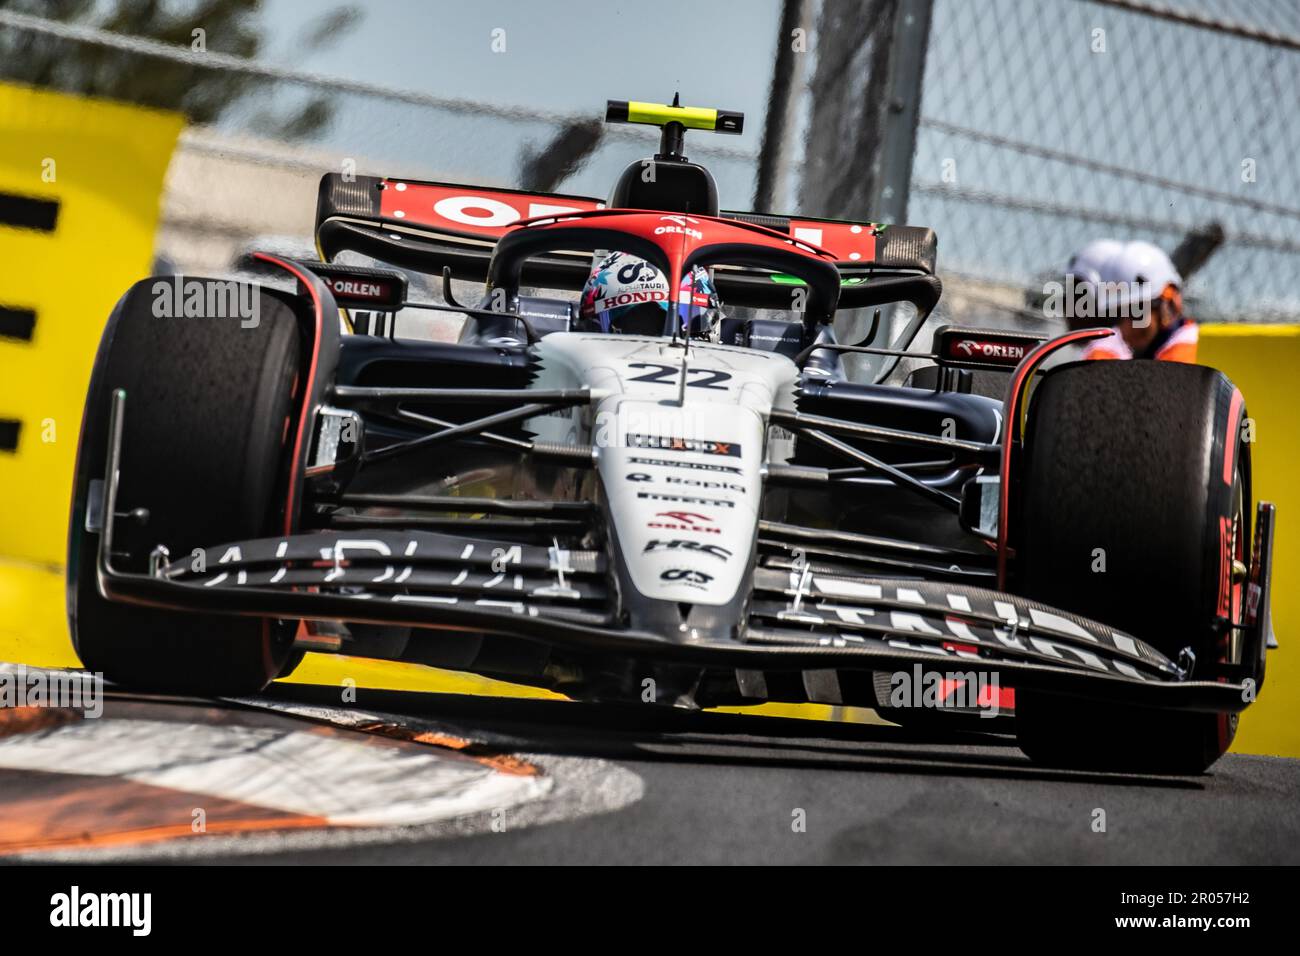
(627,295)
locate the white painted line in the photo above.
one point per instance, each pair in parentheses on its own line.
(347,782)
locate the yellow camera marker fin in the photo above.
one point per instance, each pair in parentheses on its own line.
(660,114)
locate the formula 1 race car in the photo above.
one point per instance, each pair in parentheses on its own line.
(708,504)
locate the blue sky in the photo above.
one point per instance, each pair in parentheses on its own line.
(565,55)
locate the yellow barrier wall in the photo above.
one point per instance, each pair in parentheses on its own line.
(1262,361)
(80,189)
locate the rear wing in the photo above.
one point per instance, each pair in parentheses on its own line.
(429,226)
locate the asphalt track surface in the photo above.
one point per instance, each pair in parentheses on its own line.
(723,788)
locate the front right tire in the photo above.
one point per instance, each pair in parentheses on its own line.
(1134,505)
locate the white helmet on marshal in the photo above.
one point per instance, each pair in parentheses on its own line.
(1085,265)
(1133,275)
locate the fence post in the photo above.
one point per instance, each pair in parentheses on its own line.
(906,57)
(782,101)
(865,92)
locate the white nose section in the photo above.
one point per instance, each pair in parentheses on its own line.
(684,486)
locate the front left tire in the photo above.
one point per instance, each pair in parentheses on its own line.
(208,421)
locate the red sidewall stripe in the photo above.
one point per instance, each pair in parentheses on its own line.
(1230,439)
(295,463)
(1011,413)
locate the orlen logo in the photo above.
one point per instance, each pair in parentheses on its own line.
(683,521)
(680,226)
(1009,353)
(360,290)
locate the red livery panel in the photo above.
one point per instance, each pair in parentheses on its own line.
(466,209)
